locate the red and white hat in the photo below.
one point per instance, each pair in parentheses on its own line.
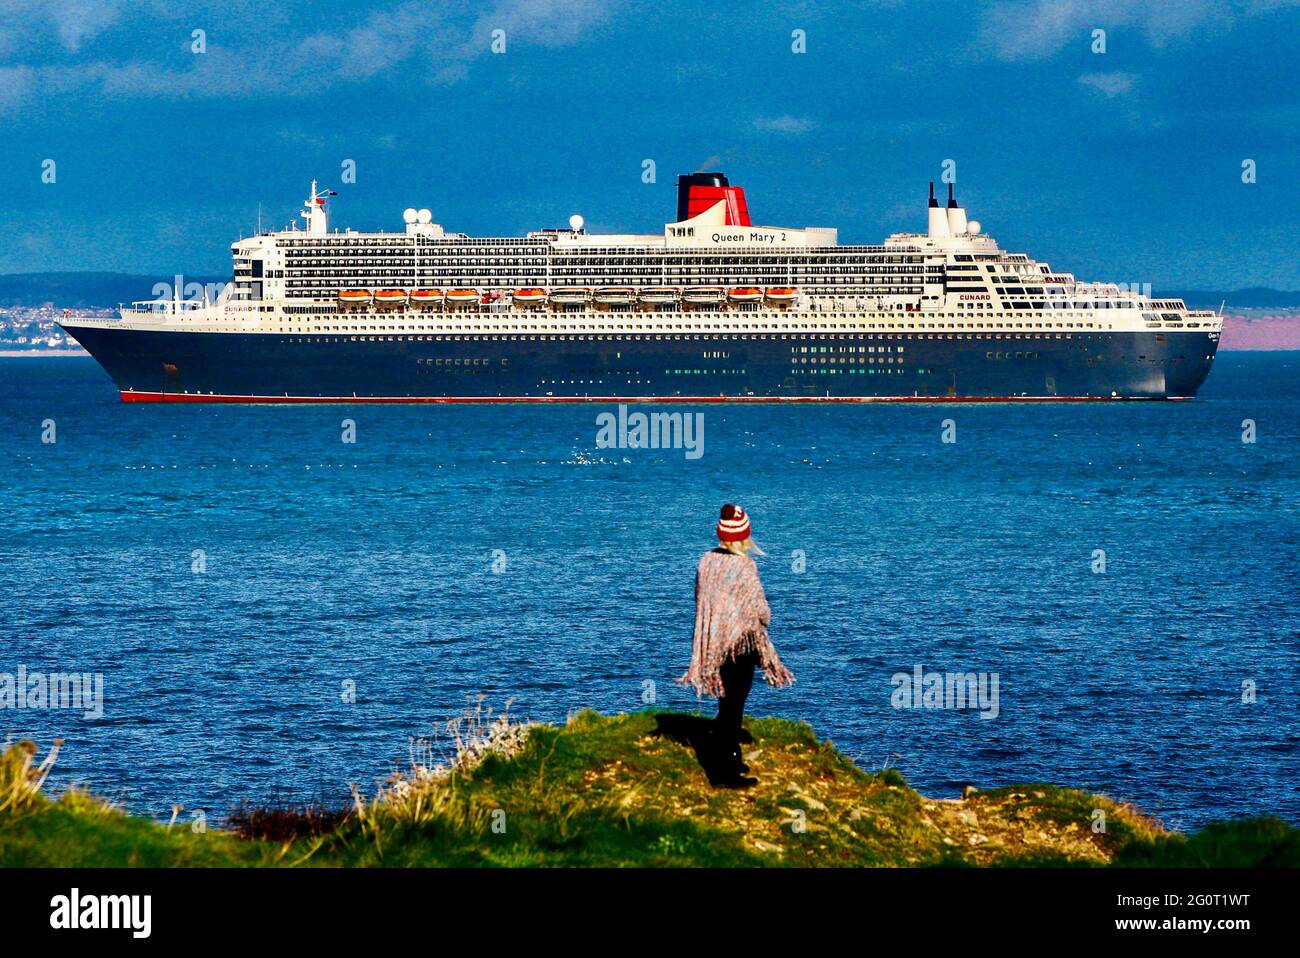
(734,524)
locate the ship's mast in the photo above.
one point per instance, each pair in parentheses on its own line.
(315,215)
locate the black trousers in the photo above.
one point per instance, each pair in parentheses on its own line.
(737,679)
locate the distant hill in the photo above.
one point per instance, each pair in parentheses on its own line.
(1254,298)
(84,290)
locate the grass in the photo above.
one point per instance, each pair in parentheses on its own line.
(81,830)
(629,790)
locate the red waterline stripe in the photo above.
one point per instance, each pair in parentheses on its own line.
(151,397)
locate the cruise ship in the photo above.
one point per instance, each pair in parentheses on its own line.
(711,308)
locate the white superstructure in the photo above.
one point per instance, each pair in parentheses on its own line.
(953,277)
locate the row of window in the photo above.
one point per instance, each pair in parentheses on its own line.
(494,370)
(825,285)
(999,355)
(616,255)
(847,349)
(637,337)
(628,326)
(868,372)
(466,361)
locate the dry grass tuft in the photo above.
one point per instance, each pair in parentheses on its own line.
(20,783)
(458,745)
(429,793)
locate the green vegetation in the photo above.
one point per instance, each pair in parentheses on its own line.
(629,790)
(81,830)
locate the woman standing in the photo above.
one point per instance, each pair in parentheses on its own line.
(731,620)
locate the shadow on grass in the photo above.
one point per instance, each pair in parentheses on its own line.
(696,733)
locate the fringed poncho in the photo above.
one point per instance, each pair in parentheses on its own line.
(731,618)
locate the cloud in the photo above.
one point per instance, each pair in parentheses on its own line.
(16,84)
(1110,84)
(547,23)
(1035,29)
(436,40)
(72,21)
(789,125)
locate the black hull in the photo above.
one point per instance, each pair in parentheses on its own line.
(154,366)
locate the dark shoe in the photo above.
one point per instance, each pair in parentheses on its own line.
(738,762)
(737,781)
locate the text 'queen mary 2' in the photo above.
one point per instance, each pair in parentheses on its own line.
(712,308)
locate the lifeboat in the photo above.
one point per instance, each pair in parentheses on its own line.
(782,295)
(569,296)
(529,297)
(354,297)
(702,295)
(659,294)
(614,295)
(390,297)
(745,294)
(461,297)
(425,297)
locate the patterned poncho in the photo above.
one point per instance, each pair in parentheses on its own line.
(731,618)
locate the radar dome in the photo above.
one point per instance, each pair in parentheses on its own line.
(973,227)
(408,215)
(575,222)
(425,216)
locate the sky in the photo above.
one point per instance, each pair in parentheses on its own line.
(1123,163)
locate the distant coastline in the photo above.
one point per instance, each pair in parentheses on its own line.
(40,353)
(1272,332)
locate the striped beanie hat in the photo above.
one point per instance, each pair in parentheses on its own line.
(734,524)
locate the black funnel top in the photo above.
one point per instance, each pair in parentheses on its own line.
(952,203)
(933,201)
(684,183)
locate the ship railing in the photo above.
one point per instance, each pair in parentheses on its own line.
(161,307)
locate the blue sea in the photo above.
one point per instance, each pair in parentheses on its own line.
(1169,680)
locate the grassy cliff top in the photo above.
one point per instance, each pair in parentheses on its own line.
(629,790)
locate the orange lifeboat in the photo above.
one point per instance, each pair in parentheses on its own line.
(390,297)
(529,297)
(782,295)
(354,297)
(425,297)
(462,297)
(745,294)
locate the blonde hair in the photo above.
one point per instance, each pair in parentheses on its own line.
(742,547)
